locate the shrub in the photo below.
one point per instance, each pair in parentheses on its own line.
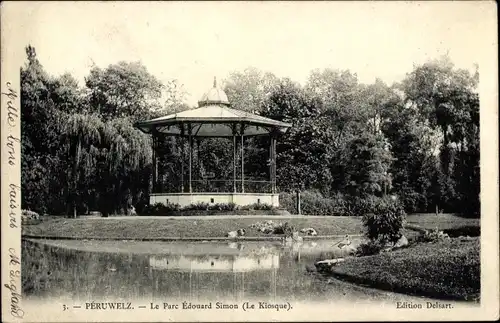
(196,207)
(385,223)
(160,209)
(287,202)
(203,206)
(222,207)
(360,206)
(261,206)
(432,236)
(257,207)
(369,248)
(141,205)
(284,228)
(413,201)
(314,203)
(30,217)
(30,214)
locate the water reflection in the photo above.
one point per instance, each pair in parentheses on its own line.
(203,271)
(91,270)
(212,263)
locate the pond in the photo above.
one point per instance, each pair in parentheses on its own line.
(123,270)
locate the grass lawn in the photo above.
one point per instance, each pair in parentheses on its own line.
(154,228)
(432,221)
(185,227)
(444,270)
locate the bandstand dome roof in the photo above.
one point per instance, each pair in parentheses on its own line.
(213,118)
(214,96)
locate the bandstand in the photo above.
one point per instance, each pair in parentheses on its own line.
(215,119)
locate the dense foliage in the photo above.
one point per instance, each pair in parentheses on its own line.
(385,222)
(202,208)
(349,143)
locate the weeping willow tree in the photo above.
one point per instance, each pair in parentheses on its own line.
(125,168)
(108,160)
(81,135)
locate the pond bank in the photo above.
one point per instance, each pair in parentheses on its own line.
(269,237)
(317,247)
(443,270)
(168,229)
(149,228)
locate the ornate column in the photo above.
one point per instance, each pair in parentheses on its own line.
(272,160)
(181,140)
(160,154)
(242,160)
(190,157)
(234,158)
(197,174)
(274,164)
(155,165)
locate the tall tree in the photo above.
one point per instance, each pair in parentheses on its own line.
(123,166)
(40,150)
(448,99)
(414,146)
(123,90)
(302,152)
(369,163)
(81,134)
(248,90)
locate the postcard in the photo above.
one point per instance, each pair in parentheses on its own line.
(249,161)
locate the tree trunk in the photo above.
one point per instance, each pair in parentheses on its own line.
(75,176)
(298,203)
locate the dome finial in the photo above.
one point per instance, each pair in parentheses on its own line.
(214,96)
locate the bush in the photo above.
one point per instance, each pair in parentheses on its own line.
(30,214)
(257,207)
(284,228)
(360,206)
(202,208)
(287,202)
(261,206)
(196,207)
(165,209)
(30,217)
(413,201)
(160,209)
(314,203)
(222,207)
(385,223)
(369,248)
(432,236)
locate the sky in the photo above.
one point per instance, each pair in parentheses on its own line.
(194,41)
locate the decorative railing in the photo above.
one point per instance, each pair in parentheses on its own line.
(215,186)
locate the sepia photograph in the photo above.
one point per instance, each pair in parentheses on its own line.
(249,161)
